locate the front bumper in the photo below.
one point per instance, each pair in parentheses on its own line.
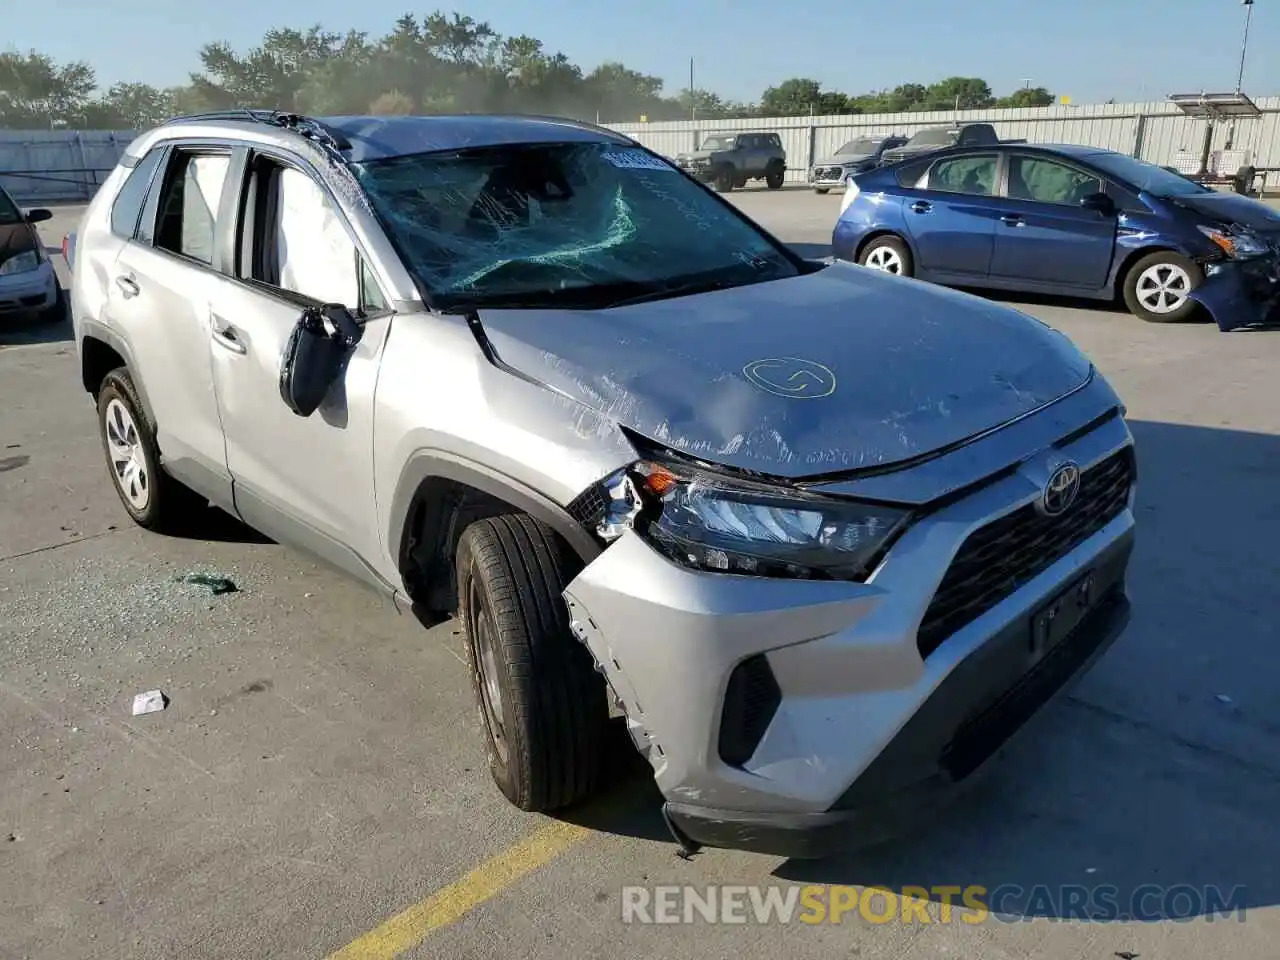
(702,172)
(30,291)
(1243,293)
(782,716)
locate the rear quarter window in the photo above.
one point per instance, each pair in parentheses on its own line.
(909,174)
(127,206)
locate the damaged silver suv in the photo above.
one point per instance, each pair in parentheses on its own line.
(826,537)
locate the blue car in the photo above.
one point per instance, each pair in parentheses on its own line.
(1067,220)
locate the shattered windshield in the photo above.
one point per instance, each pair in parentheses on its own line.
(858,148)
(930,138)
(567,224)
(717,141)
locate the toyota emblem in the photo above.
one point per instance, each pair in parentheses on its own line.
(1061,490)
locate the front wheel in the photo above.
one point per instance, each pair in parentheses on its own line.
(773,179)
(542,704)
(725,179)
(888,255)
(821,189)
(57,312)
(1158,287)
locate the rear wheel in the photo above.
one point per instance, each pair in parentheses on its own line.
(542,704)
(888,255)
(153,499)
(1157,287)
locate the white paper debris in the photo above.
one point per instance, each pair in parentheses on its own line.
(150,702)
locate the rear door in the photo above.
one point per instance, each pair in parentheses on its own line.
(952,219)
(1043,235)
(158,293)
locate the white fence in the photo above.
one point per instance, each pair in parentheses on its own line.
(46,166)
(68,165)
(1155,131)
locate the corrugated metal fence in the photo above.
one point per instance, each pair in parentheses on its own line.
(46,166)
(68,165)
(1155,131)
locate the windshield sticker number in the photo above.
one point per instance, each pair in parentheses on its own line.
(637,160)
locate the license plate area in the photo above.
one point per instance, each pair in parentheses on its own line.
(1055,621)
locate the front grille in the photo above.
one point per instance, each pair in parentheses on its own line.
(999,558)
(829,173)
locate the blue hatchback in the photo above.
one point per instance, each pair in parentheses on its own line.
(1067,220)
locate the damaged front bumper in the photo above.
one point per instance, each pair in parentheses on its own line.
(1241,293)
(799,717)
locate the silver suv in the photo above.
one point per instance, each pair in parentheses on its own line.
(826,537)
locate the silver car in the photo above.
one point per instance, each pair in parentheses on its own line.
(826,537)
(854,156)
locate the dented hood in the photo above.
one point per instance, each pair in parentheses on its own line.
(842,369)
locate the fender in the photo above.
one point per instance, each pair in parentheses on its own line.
(426,463)
(116,341)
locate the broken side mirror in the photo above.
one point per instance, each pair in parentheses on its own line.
(316,355)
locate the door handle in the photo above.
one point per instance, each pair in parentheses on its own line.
(1013,220)
(225,336)
(128,286)
(922,206)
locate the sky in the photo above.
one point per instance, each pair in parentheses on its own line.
(1090,50)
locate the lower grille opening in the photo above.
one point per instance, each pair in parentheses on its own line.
(1002,556)
(750,702)
(978,738)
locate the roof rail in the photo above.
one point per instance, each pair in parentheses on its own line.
(308,127)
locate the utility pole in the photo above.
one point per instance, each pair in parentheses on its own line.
(693,99)
(1244,44)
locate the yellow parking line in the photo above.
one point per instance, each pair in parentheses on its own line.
(411,926)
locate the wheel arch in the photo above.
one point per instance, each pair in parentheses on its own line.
(1130,259)
(437,495)
(103,350)
(883,232)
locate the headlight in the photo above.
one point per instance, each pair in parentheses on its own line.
(20,264)
(707,521)
(1236,243)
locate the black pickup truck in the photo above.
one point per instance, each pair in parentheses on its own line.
(939,138)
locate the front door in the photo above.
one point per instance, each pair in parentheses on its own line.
(159,291)
(953,220)
(1043,235)
(304,480)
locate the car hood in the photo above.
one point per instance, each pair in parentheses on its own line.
(842,159)
(698,154)
(838,370)
(1232,208)
(16,238)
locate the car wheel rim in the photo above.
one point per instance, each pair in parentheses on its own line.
(128,459)
(484,647)
(1163,287)
(885,259)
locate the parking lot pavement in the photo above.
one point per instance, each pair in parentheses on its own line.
(317,780)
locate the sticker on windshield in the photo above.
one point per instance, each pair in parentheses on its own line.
(637,160)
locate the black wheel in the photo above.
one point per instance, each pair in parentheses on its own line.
(56,313)
(889,255)
(725,179)
(542,704)
(821,189)
(773,179)
(152,498)
(1157,286)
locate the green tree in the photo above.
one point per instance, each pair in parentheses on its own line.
(37,92)
(1028,97)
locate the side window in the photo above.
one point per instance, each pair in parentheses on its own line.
(910,174)
(188,208)
(975,175)
(1123,199)
(127,206)
(296,240)
(1047,181)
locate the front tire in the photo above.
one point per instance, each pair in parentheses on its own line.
(542,704)
(821,189)
(888,255)
(56,313)
(773,179)
(152,498)
(1157,287)
(725,179)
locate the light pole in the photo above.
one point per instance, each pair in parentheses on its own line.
(693,97)
(1244,44)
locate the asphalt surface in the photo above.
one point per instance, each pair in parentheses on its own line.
(319,769)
